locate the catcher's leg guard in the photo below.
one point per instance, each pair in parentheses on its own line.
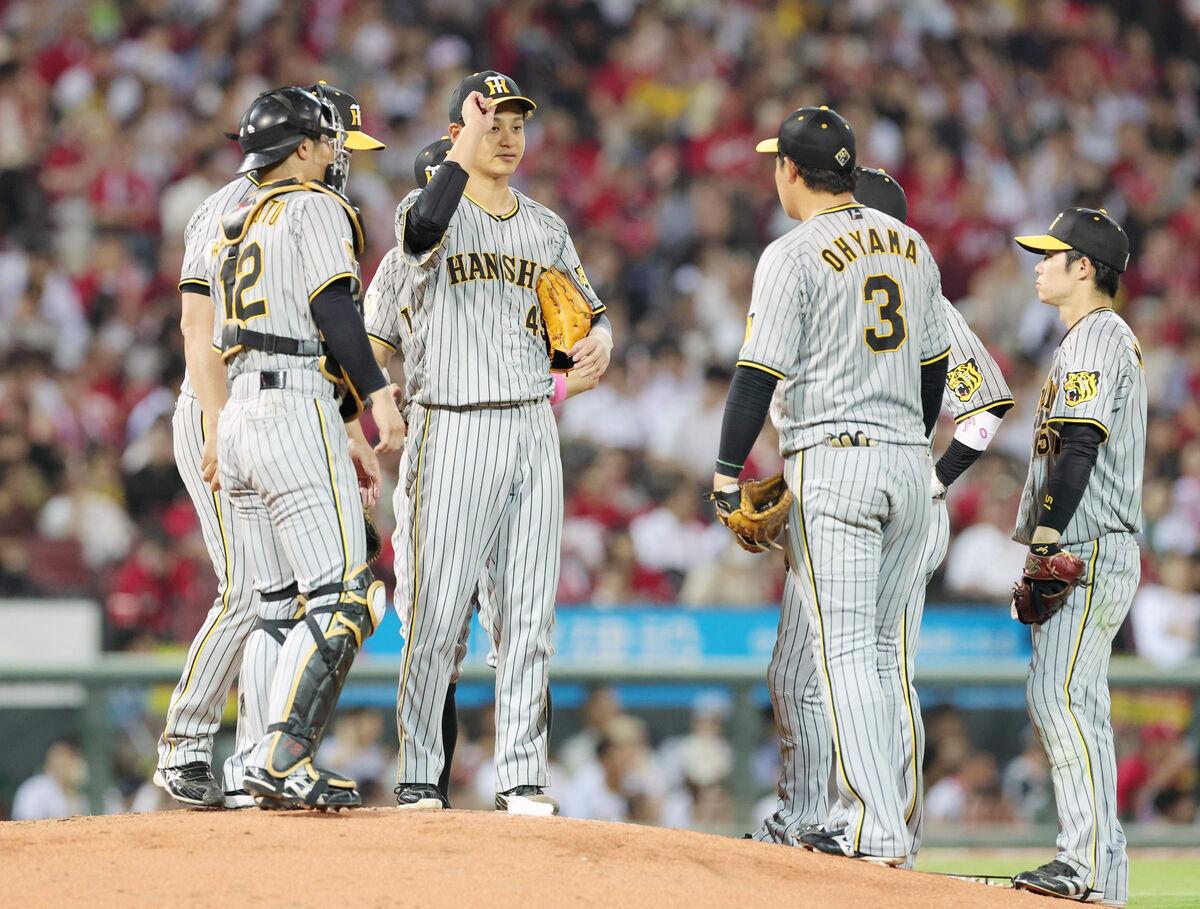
(338,630)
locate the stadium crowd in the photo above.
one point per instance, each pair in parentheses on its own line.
(993,115)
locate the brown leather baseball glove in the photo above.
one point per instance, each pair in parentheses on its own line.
(755,511)
(566,313)
(1050,574)
(374,539)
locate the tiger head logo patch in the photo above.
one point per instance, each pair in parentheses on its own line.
(1080,387)
(964,380)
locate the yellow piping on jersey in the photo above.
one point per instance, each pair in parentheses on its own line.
(844,207)
(978,410)
(945,353)
(516,207)
(412,616)
(224,603)
(192,282)
(345,274)
(1087,608)
(382,343)
(766,369)
(906,680)
(812,580)
(1100,426)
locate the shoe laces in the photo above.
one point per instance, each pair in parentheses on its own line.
(1057,869)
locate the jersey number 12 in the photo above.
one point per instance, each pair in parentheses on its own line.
(249,273)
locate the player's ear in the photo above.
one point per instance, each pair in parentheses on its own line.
(455,129)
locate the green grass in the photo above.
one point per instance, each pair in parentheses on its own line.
(1157,879)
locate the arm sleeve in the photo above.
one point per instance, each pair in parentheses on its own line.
(600,320)
(745,410)
(933,380)
(426,219)
(1068,480)
(337,317)
(775,325)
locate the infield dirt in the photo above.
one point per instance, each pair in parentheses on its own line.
(452,859)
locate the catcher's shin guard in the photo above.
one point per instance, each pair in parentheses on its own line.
(318,683)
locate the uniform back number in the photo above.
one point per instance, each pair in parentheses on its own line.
(883,292)
(249,272)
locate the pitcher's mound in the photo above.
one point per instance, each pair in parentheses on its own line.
(451,859)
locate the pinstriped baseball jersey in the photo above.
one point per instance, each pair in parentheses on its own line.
(476,323)
(1096,378)
(387,304)
(297,244)
(974,381)
(849,272)
(201,239)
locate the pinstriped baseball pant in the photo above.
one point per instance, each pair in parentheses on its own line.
(482,483)
(194,714)
(286,449)
(857,527)
(1068,698)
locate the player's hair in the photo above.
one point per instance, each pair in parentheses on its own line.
(820,180)
(1107,280)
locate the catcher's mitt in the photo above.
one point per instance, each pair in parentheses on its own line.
(1050,574)
(566,313)
(374,540)
(756,511)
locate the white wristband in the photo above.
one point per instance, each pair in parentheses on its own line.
(977,431)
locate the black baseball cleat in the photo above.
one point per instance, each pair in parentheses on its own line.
(837,844)
(192,784)
(305,787)
(527,800)
(420,797)
(1056,879)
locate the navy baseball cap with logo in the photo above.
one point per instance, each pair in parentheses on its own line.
(494,86)
(814,137)
(429,158)
(879,190)
(1088,230)
(348,107)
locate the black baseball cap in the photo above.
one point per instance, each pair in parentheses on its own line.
(815,137)
(494,86)
(429,158)
(1090,231)
(879,190)
(351,113)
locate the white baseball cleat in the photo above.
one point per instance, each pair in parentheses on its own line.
(527,800)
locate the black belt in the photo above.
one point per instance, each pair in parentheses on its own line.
(233,334)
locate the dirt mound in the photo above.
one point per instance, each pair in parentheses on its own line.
(388,857)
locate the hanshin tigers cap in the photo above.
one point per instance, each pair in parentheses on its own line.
(817,137)
(879,190)
(348,107)
(494,86)
(429,158)
(1090,231)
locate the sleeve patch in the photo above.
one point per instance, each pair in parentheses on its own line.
(1080,387)
(964,380)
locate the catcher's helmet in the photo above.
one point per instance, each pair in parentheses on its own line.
(277,122)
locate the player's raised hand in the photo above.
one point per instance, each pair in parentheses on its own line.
(387,418)
(477,111)
(591,355)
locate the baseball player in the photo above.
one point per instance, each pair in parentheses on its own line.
(484,476)
(846,319)
(1083,496)
(292,337)
(977,397)
(194,714)
(388,310)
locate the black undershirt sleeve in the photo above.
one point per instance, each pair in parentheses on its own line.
(745,410)
(958,457)
(1080,446)
(430,214)
(933,380)
(337,316)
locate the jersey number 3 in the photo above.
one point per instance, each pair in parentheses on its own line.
(249,273)
(883,292)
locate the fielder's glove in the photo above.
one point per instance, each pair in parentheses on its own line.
(755,511)
(1050,574)
(566,313)
(374,540)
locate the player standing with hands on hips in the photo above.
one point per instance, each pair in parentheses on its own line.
(484,478)
(292,336)
(1081,506)
(846,319)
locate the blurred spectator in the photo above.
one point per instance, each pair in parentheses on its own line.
(1166,615)
(984,561)
(355,749)
(1158,778)
(599,709)
(622,782)
(1026,782)
(58,790)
